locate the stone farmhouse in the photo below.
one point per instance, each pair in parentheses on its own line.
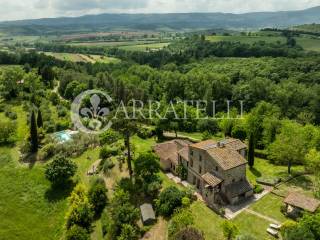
(216,168)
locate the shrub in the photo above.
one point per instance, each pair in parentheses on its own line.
(186,202)
(77,233)
(106,165)
(47,151)
(11,115)
(144,133)
(106,222)
(206,136)
(60,170)
(62,111)
(54,98)
(2,107)
(258,189)
(7,131)
(182,172)
(107,152)
(189,233)
(80,211)
(169,200)
(208,125)
(97,195)
(181,219)
(49,126)
(62,125)
(230,230)
(129,232)
(109,137)
(287,225)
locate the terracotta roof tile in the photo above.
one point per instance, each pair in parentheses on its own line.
(303,202)
(235,144)
(226,157)
(211,179)
(184,152)
(168,151)
(205,145)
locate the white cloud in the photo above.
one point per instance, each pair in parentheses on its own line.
(17,9)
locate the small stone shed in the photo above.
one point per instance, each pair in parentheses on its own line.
(148,216)
(297,202)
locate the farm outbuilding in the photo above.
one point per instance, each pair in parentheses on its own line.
(296,203)
(148,216)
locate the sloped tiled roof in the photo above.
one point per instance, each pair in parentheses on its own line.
(232,143)
(168,151)
(205,145)
(211,180)
(238,188)
(226,157)
(184,152)
(301,201)
(235,144)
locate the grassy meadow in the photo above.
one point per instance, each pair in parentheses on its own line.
(309,44)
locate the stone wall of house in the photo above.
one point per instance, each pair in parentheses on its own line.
(234,175)
(200,162)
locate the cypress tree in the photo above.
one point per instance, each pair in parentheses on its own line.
(251,151)
(33,133)
(39,119)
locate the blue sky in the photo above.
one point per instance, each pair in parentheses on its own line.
(25,9)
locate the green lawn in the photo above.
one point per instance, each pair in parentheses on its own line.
(29,208)
(207,221)
(142,145)
(302,184)
(253,225)
(270,206)
(263,168)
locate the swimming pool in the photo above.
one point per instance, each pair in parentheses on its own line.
(63,136)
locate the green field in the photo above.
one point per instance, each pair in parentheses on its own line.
(308,44)
(74,57)
(246,39)
(111,43)
(29,209)
(145,47)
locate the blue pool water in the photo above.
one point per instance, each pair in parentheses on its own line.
(62,136)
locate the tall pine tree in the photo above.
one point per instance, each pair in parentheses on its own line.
(39,119)
(251,150)
(33,133)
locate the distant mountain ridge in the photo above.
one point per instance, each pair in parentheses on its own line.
(174,21)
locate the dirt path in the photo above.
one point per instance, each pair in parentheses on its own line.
(262,216)
(158,231)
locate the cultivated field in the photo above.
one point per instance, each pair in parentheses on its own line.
(145,47)
(73,57)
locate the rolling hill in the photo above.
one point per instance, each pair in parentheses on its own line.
(173,21)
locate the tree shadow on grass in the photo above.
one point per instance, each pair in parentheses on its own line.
(255,172)
(58,192)
(305,182)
